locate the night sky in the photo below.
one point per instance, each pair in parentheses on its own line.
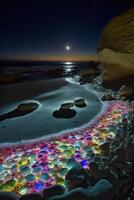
(40,29)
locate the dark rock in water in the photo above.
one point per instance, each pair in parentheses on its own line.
(64,113)
(67,105)
(77,177)
(80,103)
(21,110)
(8,196)
(32,196)
(53,191)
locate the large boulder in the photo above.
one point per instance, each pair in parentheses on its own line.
(53,191)
(32,196)
(116,49)
(126,92)
(8,196)
(77,177)
(102,190)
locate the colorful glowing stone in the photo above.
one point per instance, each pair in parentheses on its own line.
(36,170)
(1,169)
(44,176)
(30,177)
(24,190)
(8,186)
(25,170)
(38,186)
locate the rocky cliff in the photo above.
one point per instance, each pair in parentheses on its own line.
(116,50)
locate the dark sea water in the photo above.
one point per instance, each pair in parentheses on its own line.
(35,70)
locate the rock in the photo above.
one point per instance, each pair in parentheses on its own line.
(24,189)
(76,177)
(116,49)
(64,113)
(38,186)
(105,147)
(117,34)
(127,92)
(53,191)
(67,105)
(129,147)
(21,110)
(102,190)
(71,163)
(32,196)
(108,97)
(8,196)
(8,186)
(80,102)
(76,194)
(27,107)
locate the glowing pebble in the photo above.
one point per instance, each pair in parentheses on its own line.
(36,170)
(23,162)
(1,169)
(38,186)
(84,163)
(71,163)
(68,153)
(25,170)
(8,186)
(59,180)
(44,176)
(21,180)
(30,177)
(23,190)
(63,171)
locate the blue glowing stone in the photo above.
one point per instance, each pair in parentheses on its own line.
(39,186)
(84,163)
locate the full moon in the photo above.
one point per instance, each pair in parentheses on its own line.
(67,47)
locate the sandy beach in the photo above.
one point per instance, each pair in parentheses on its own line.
(20,91)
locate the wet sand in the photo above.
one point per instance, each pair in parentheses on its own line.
(20,91)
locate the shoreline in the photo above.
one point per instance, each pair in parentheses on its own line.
(54,136)
(42,129)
